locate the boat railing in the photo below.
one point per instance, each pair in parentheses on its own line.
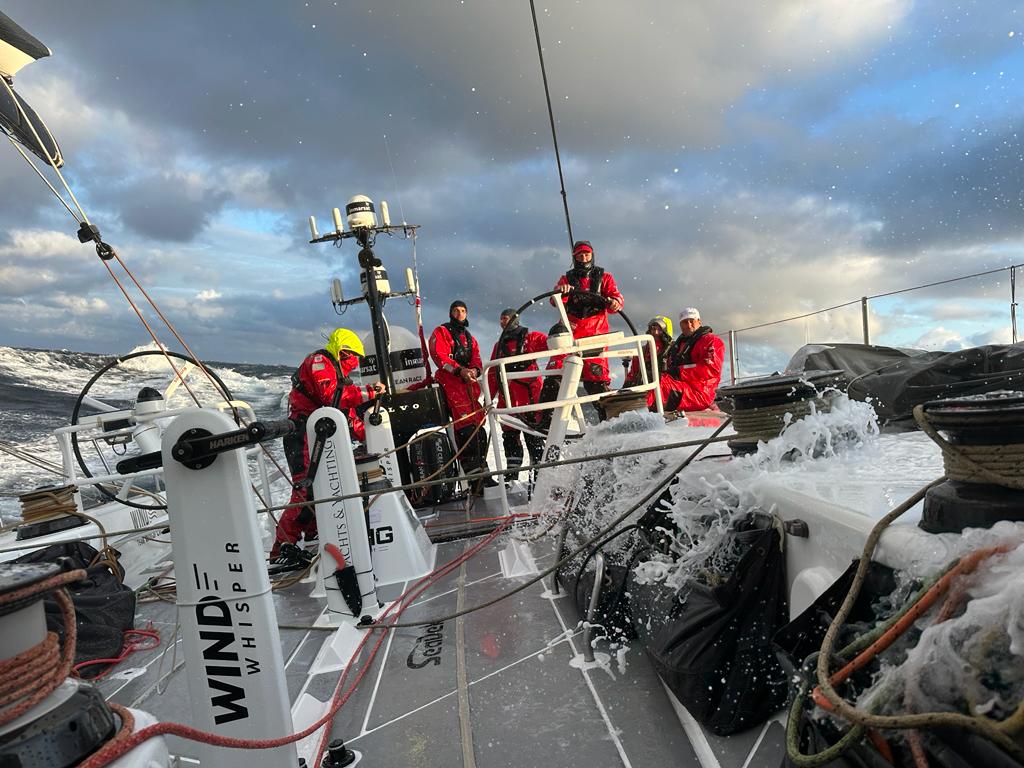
(92,428)
(565,406)
(614,345)
(864,302)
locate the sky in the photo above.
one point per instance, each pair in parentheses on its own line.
(757,160)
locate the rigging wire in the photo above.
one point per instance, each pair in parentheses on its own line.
(50,159)
(551,118)
(106,253)
(35,168)
(1012,269)
(394,180)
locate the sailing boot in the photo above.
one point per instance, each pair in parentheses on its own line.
(535,447)
(472,458)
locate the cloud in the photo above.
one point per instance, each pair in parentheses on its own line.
(941,339)
(757,160)
(79,306)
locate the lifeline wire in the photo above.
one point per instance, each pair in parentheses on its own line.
(494,473)
(408,486)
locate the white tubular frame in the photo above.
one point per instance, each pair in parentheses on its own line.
(610,345)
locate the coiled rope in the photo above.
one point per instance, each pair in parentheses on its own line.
(32,675)
(768,422)
(987,464)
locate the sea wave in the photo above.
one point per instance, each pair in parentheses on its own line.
(39,389)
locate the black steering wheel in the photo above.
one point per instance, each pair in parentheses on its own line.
(220,385)
(591,294)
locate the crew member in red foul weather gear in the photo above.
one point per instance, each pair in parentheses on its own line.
(588,315)
(516,339)
(693,366)
(660,327)
(321,380)
(456,355)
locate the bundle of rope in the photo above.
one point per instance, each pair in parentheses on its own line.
(762,408)
(47,503)
(995,464)
(768,422)
(620,402)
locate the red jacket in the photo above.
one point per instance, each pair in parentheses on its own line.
(444,350)
(633,375)
(520,342)
(595,321)
(450,354)
(696,365)
(316,384)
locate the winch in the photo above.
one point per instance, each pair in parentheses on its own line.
(47,718)
(982,441)
(762,408)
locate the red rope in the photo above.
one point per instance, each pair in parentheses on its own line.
(111,751)
(134,640)
(31,676)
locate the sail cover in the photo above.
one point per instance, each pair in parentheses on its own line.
(17,118)
(17,47)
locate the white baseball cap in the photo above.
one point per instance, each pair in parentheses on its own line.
(689,313)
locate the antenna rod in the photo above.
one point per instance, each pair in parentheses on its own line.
(551,117)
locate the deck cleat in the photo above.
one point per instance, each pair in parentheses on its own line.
(338,755)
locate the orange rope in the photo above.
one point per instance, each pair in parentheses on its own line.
(966,565)
(31,676)
(917,748)
(152,333)
(881,745)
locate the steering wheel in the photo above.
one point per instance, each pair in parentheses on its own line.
(83,397)
(591,294)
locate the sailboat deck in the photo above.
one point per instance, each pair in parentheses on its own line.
(497,687)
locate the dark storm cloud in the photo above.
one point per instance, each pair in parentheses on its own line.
(969,193)
(166,209)
(706,149)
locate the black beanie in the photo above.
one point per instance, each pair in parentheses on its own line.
(457,303)
(513,322)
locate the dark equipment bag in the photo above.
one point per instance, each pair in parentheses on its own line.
(714,652)
(426,456)
(104,607)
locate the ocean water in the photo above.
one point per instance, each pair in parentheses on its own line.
(39,388)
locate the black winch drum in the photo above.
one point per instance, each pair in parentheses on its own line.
(991,419)
(769,391)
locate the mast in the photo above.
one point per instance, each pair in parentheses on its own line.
(551,119)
